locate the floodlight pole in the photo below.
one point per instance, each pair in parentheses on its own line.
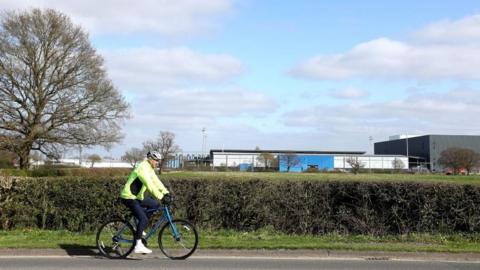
(204,145)
(370,138)
(408,159)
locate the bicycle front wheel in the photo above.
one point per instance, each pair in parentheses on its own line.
(178,240)
(115,239)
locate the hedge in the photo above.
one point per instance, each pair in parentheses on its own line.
(46,171)
(300,206)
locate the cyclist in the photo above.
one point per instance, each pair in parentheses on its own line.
(143,178)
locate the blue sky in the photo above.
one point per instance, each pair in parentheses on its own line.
(302,75)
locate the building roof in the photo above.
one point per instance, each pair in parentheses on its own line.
(243,151)
(413,137)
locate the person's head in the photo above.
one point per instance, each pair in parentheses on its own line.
(154,157)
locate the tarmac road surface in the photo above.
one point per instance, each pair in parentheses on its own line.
(223,262)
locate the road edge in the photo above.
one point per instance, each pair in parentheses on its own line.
(304,254)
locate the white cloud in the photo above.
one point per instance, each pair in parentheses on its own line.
(189,103)
(465,30)
(349,93)
(155,68)
(430,58)
(128,16)
(453,112)
(186,111)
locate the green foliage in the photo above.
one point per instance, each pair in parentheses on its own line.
(52,171)
(72,203)
(312,170)
(13,172)
(288,206)
(6,159)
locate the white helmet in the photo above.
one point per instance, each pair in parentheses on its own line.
(154,155)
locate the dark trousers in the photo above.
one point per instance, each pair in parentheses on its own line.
(137,208)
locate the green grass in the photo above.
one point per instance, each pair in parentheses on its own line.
(263,239)
(274,176)
(373,177)
(406,243)
(44,239)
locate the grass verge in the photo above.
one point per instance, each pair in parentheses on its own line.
(264,239)
(368,177)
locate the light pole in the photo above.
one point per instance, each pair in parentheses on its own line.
(370,138)
(408,159)
(204,143)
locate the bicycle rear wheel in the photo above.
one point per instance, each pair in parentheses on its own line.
(115,239)
(180,246)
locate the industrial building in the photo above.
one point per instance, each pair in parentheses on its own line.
(425,150)
(246,160)
(105,163)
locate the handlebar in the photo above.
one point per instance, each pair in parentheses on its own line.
(167,199)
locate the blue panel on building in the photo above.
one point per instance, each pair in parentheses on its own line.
(305,162)
(244,167)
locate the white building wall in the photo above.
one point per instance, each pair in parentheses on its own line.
(235,159)
(339,161)
(88,164)
(370,162)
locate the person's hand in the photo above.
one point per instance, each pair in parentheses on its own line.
(167,199)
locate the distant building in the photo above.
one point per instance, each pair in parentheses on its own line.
(400,136)
(245,160)
(426,150)
(86,163)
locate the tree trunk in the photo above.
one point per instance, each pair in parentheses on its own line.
(162,163)
(24,157)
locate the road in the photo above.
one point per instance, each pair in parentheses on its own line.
(211,262)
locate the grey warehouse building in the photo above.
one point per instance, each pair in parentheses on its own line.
(426,150)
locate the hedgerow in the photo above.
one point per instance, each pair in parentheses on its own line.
(300,206)
(65,171)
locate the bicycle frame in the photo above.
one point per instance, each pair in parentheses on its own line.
(166,217)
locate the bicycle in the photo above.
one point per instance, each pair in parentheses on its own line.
(177,239)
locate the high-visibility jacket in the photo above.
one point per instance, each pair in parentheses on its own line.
(143,178)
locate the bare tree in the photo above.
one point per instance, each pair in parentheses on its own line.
(397,164)
(134,155)
(165,144)
(355,164)
(93,158)
(290,160)
(54,90)
(267,159)
(459,158)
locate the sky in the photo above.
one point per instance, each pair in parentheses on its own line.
(296,75)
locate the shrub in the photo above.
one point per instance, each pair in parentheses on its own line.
(51,171)
(300,206)
(312,170)
(7,159)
